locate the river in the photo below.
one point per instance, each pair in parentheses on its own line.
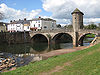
(23,54)
(37,48)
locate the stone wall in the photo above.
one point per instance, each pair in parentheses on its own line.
(15,37)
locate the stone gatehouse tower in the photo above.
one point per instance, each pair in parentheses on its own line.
(77,20)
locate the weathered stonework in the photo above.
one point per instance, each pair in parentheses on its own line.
(77,20)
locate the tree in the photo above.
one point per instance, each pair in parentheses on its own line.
(69,26)
(99,25)
(91,26)
(1,16)
(58,26)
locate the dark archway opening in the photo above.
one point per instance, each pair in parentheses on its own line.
(86,39)
(39,42)
(39,38)
(62,40)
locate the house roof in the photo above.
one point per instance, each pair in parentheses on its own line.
(2,24)
(46,19)
(21,22)
(77,11)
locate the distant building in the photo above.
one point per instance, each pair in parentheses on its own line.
(31,25)
(21,25)
(42,24)
(3,27)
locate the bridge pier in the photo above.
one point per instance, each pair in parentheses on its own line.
(75,39)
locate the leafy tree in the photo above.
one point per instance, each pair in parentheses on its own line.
(58,26)
(99,25)
(69,26)
(91,26)
(1,16)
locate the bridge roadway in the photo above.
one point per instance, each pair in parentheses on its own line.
(77,37)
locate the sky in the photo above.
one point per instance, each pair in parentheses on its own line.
(60,10)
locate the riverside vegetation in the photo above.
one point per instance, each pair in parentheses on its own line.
(84,62)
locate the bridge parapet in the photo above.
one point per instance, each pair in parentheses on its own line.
(76,36)
(52,31)
(64,30)
(85,30)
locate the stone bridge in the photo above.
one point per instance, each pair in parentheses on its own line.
(52,36)
(76,35)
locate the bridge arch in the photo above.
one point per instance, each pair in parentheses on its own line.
(39,38)
(62,38)
(82,36)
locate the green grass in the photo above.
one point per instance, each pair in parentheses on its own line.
(90,35)
(84,62)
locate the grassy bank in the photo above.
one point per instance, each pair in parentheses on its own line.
(90,35)
(84,62)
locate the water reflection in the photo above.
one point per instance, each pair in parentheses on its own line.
(33,48)
(87,41)
(38,48)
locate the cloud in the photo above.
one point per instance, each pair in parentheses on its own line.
(89,20)
(13,14)
(61,9)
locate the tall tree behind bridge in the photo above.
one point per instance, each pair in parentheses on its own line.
(69,26)
(1,16)
(91,26)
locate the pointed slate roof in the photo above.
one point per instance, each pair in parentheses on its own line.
(77,11)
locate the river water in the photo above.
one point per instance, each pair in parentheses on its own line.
(37,48)
(25,53)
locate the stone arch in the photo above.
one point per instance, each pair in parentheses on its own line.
(58,37)
(82,36)
(39,38)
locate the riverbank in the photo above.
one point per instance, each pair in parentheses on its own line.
(81,62)
(62,51)
(7,64)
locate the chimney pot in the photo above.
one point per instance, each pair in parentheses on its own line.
(10,21)
(24,19)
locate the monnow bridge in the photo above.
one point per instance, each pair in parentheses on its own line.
(77,34)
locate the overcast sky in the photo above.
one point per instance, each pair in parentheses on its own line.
(56,9)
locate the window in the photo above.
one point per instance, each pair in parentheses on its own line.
(45,26)
(38,25)
(28,27)
(39,21)
(52,25)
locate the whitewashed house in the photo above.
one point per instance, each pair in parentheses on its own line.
(32,25)
(42,24)
(21,25)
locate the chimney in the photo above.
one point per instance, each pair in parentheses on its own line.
(24,19)
(39,17)
(11,21)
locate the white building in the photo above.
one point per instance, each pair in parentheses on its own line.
(42,24)
(21,25)
(32,25)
